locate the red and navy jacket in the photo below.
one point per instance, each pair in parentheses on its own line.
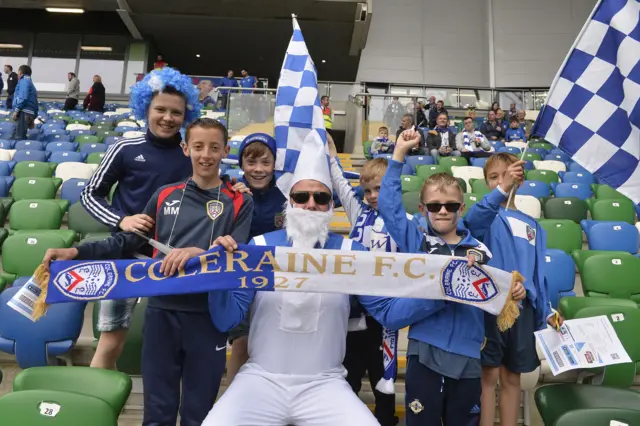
(185,216)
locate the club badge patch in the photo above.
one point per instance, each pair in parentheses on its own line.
(461,283)
(87,281)
(476,254)
(531,233)
(416,406)
(214,209)
(278,220)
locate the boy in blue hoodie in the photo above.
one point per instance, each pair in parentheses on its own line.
(25,103)
(256,155)
(518,243)
(515,132)
(443,378)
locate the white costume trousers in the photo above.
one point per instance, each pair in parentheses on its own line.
(259,398)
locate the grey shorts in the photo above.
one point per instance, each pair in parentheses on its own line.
(115,314)
(240,330)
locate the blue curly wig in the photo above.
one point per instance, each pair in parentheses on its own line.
(142,92)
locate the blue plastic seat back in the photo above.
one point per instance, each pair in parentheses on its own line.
(510,149)
(90,148)
(534,188)
(6,167)
(235,173)
(611,236)
(66,157)
(7,143)
(577,177)
(110,140)
(61,146)
(32,342)
(478,162)
(577,190)
(56,137)
(408,170)
(560,273)
(30,156)
(72,189)
(29,146)
(74,133)
(417,160)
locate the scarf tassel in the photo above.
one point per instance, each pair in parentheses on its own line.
(41,278)
(511,310)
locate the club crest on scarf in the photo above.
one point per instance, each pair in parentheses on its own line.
(214,209)
(87,281)
(459,282)
(278,220)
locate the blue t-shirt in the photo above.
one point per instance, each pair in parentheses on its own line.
(248,81)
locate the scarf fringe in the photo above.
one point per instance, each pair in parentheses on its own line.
(511,310)
(41,279)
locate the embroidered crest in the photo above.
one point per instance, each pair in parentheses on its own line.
(461,283)
(416,406)
(87,281)
(531,233)
(214,209)
(476,254)
(278,220)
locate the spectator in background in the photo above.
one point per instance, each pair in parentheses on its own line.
(247,80)
(471,140)
(513,112)
(228,81)
(432,103)
(421,117)
(382,144)
(73,92)
(1,85)
(515,132)
(523,122)
(495,107)
(327,113)
(12,82)
(493,130)
(407,123)
(434,113)
(393,114)
(159,63)
(500,118)
(205,87)
(25,103)
(96,97)
(441,142)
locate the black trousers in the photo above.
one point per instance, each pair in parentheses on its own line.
(364,354)
(70,103)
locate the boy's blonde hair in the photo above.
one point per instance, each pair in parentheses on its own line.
(373,169)
(500,157)
(441,181)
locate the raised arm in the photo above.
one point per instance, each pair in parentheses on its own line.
(399,313)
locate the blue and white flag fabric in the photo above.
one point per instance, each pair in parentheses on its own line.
(301,138)
(592,110)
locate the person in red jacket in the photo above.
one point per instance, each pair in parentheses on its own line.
(96,97)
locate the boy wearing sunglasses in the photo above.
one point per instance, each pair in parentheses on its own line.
(443,378)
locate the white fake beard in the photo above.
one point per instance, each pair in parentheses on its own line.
(305,228)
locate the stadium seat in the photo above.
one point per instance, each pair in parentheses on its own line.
(101,127)
(21,254)
(546,176)
(478,162)
(72,188)
(95,157)
(78,132)
(611,274)
(385,156)
(551,165)
(411,183)
(55,408)
(411,201)
(82,222)
(469,201)
(38,217)
(557,156)
(132,134)
(110,140)
(89,148)
(419,160)
(32,169)
(571,208)
(529,205)
(611,236)
(426,171)
(570,306)
(562,234)
(30,156)
(29,146)
(7,154)
(6,168)
(366,148)
(572,190)
(536,189)
(466,173)
(511,150)
(560,274)
(56,137)
(479,187)
(60,157)
(88,138)
(107,133)
(71,170)
(113,387)
(578,177)
(34,188)
(575,167)
(61,146)
(234,173)
(406,169)
(7,144)
(617,210)
(448,162)
(605,192)
(599,417)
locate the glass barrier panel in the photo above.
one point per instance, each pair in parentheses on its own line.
(479,99)
(449,96)
(506,98)
(539,99)
(250,112)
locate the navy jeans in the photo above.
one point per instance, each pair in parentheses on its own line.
(23,124)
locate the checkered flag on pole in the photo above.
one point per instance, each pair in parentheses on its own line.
(301,138)
(592,111)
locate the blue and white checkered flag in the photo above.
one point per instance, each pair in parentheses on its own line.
(592,110)
(301,138)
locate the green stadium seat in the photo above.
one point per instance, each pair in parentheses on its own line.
(479,187)
(95,157)
(605,192)
(113,387)
(22,253)
(599,417)
(470,200)
(106,133)
(366,148)
(612,274)
(82,222)
(55,408)
(83,143)
(77,121)
(101,128)
(553,401)
(570,208)
(547,176)
(426,170)
(562,234)
(581,256)
(411,183)
(532,156)
(570,306)
(37,217)
(97,236)
(544,145)
(88,139)
(411,201)
(615,210)
(32,169)
(33,188)
(463,184)
(449,162)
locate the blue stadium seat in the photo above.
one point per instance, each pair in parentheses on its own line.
(575,167)
(72,189)
(93,147)
(123,129)
(611,236)
(511,150)
(61,146)
(7,126)
(56,137)
(67,156)
(4,185)
(408,170)
(6,135)
(534,188)
(33,342)
(30,156)
(234,173)
(560,273)
(558,156)
(528,165)
(29,146)
(53,124)
(234,143)
(34,134)
(74,133)
(20,281)
(6,167)
(7,143)
(110,140)
(223,168)
(577,177)
(478,162)
(54,131)
(415,160)
(387,156)
(577,190)
(540,151)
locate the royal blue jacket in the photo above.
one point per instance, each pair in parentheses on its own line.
(268,209)
(515,135)
(227,82)
(25,98)
(139,166)
(450,326)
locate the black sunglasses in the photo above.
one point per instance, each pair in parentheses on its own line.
(436,207)
(302,197)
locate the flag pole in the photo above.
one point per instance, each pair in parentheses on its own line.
(512,193)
